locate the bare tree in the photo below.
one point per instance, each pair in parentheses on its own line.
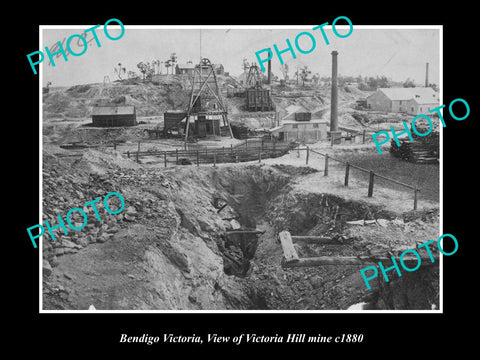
(304,72)
(46,89)
(378,82)
(120,70)
(408,83)
(155,66)
(167,64)
(285,71)
(144,68)
(173,61)
(297,73)
(245,64)
(150,71)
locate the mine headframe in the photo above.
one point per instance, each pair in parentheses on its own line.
(253,77)
(206,98)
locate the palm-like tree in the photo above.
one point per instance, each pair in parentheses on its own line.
(168,64)
(304,74)
(173,60)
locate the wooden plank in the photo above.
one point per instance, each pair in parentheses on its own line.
(221,208)
(325,172)
(360,222)
(370,184)
(314,240)
(415,199)
(240,231)
(231,258)
(316,152)
(410,262)
(138,150)
(395,181)
(289,252)
(359,168)
(347,170)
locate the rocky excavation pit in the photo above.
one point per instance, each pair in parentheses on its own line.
(207,238)
(264,200)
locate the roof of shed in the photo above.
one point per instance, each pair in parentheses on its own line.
(281,127)
(186,66)
(425,100)
(113,110)
(422,95)
(313,121)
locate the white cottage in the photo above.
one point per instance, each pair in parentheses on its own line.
(304,131)
(411,101)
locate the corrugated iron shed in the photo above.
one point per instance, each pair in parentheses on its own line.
(113,110)
(426,94)
(109,116)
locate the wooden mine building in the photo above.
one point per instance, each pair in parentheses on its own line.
(303,128)
(110,116)
(411,101)
(206,107)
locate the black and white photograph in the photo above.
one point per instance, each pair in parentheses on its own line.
(242,184)
(218,179)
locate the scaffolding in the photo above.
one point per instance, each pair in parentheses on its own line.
(253,77)
(257,98)
(205,99)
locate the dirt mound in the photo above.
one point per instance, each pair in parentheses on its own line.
(100,162)
(294,170)
(159,253)
(148,98)
(173,247)
(288,103)
(95,136)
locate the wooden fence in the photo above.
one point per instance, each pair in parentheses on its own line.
(372,174)
(351,135)
(247,151)
(257,149)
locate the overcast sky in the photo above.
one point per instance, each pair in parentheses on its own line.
(398,53)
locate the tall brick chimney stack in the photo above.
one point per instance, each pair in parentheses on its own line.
(269,78)
(426,76)
(334,97)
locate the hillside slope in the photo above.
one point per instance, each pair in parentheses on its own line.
(170,249)
(172,92)
(148,98)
